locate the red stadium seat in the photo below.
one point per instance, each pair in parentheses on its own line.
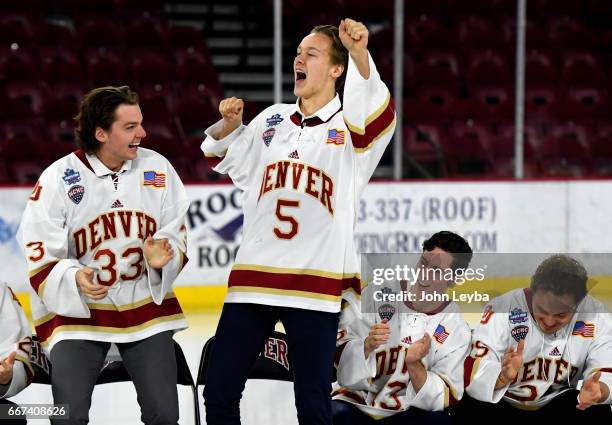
(423,142)
(540,68)
(62,66)
(468,109)
(426,32)
(148,32)
(17,28)
(195,114)
(21,65)
(479,33)
(186,36)
(54,34)
(105,67)
(437,95)
(583,75)
(557,7)
(570,33)
(153,69)
(100,32)
(488,67)
(32,92)
(445,58)
(60,108)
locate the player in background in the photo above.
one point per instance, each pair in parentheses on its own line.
(533,347)
(302,167)
(104,237)
(406,368)
(15,344)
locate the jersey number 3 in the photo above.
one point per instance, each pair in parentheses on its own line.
(292,223)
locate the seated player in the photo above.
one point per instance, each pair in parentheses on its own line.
(533,347)
(408,367)
(15,342)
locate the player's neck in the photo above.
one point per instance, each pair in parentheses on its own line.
(111,163)
(309,106)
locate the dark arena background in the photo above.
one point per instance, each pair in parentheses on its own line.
(504,133)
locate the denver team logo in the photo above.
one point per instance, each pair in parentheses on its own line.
(335,137)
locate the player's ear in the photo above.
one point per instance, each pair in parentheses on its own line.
(100,135)
(336,71)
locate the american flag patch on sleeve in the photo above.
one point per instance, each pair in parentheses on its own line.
(152,178)
(440,334)
(335,137)
(583,329)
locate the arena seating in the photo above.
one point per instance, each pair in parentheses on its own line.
(459,69)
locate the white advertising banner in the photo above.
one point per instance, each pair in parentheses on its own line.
(506,217)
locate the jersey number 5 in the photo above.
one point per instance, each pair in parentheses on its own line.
(289,219)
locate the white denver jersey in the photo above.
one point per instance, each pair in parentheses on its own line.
(81,214)
(550,362)
(380,385)
(302,178)
(15,335)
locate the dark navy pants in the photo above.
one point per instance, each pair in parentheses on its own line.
(241,334)
(349,414)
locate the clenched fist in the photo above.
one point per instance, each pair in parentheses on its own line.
(231,110)
(354,35)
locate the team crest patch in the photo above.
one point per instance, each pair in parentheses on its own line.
(268,135)
(76,194)
(71,177)
(517,316)
(274,120)
(386,311)
(335,137)
(519,332)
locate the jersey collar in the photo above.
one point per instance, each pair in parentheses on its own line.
(322,116)
(102,170)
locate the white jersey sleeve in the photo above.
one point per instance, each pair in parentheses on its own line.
(490,340)
(599,358)
(444,384)
(354,369)
(15,336)
(369,115)
(173,227)
(44,238)
(236,154)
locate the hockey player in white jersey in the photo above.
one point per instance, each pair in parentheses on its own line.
(407,368)
(15,343)
(302,167)
(104,237)
(533,347)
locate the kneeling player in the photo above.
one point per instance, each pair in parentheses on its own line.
(407,368)
(533,347)
(15,343)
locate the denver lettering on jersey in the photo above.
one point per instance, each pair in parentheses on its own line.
(537,369)
(314,182)
(104,227)
(387,363)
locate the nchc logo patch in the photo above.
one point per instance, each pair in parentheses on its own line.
(76,193)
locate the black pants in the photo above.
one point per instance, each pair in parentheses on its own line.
(150,362)
(20,420)
(349,414)
(562,409)
(241,335)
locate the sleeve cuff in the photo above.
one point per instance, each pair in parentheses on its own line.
(213,147)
